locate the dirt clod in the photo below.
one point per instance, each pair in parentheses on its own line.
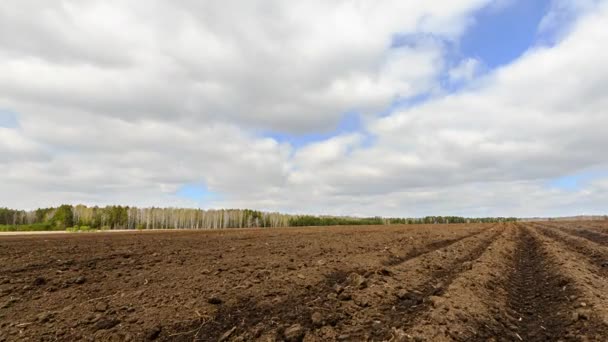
(101,307)
(39,281)
(226,335)
(153,333)
(294,333)
(214,299)
(106,323)
(317,319)
(345,296)
(9,303)
(581,315)
(356,281)
(44,317)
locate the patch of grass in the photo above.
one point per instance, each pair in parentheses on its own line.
(79,229)
(27,227)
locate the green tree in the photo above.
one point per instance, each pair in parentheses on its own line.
(64,216)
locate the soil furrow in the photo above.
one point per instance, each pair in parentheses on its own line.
(539,306)
(505,282)
(273,318)
(537,295)
(599,238)
(595,256)
(412,304)
(431,247)
(88,263)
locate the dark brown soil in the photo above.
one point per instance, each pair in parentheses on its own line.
(590,235)
(404,310)
(538,304)
(378,283)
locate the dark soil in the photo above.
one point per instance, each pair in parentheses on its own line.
(540,301)
(377,283)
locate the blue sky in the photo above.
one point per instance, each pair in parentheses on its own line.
(8,118)
(576,181)
(197,192)
(501,35)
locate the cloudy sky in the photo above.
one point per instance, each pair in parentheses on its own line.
(362,107)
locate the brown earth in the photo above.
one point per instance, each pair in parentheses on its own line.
(545,281)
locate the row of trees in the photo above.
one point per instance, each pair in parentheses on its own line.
(124,217)
(309,220)
(449,219)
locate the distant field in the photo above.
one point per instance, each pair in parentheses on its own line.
(467,282)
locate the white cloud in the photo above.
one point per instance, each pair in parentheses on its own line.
(126,102)
(271,64)
(466,71)
(562,15)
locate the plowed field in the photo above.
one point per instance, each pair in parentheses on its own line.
(545,281)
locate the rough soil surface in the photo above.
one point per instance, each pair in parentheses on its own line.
(496,282)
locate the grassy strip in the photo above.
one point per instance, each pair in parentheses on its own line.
(35,227)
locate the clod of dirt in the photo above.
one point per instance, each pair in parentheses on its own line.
(227,334)
(106,323)
(345,296)
(153,333)
(436,301)
(402,294)
(385,272)
(9,303)
(257,330)
(215,300)
(317,319)
(44,317)
(294,333)
(581,314)
(398,335)
(39,281)
(356,280)
(80,280)
(362,300)
(101,307)
(411,297)
(438,289)
(605,263)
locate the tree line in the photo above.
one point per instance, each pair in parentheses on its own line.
(125,217)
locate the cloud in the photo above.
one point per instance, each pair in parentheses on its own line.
(466,71)
(270,64)
(108,117)
(561,16)
(540,117)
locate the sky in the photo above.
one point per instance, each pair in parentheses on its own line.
(392,108)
